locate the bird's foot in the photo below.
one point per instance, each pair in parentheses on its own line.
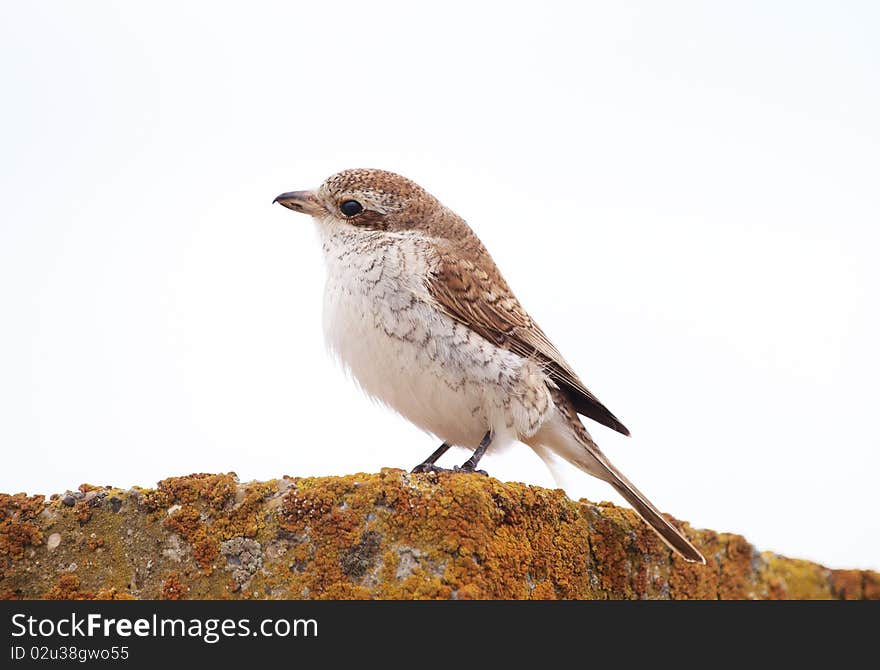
(469,470)
(428,467)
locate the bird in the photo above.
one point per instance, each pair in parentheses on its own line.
(416,310)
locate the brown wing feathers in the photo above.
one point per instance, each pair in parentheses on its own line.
(473,292)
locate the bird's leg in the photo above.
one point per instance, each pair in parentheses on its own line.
(470,465)
(428,464)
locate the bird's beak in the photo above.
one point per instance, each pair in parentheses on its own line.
(300,201)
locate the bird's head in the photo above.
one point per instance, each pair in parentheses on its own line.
(368,199)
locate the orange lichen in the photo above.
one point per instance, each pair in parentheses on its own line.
(172,588)
(15,536)
(18,526)
(209,515)
(67,588)
(187,522)
(482,538)
(870,585)
(855,585)
(215,490)
(386,535)
(83,512)
(543,591)
(735,571)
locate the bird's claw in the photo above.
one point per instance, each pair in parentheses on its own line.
(428,467)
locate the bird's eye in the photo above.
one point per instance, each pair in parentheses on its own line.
(351,208)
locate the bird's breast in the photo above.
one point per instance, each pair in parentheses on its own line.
(405,352)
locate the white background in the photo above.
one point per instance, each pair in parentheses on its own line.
(684,195)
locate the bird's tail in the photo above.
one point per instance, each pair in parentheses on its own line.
(652,516)
(565,435)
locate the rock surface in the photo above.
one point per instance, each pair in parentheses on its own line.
(386,535)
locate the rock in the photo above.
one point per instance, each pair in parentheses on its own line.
(243,558)
(53,541)
(386,535)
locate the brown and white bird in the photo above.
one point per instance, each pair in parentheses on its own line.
(417,311)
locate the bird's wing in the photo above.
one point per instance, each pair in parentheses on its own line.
(472,291)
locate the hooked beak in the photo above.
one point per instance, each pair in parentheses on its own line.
(300,201)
